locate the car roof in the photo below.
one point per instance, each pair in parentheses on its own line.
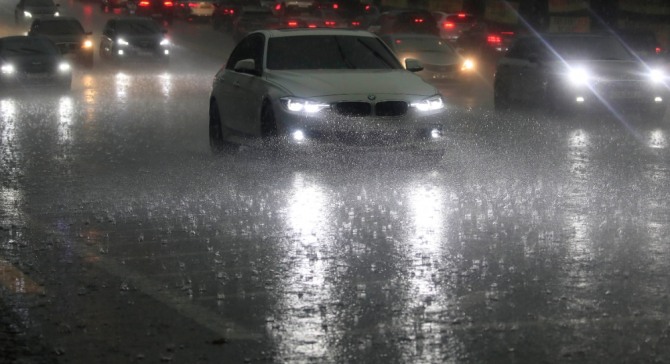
(278,33)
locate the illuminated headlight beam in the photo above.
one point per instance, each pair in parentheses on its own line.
(301,105)
(430,104)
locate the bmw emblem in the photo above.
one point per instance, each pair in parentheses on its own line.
(372,97)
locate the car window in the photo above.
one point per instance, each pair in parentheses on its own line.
(27,46)
(138,27)
(329,52)
(250,47)
(59,27)
(39,3)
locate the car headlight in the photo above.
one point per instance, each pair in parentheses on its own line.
(165,42)
(7,69)
(27,14)
(657,75)
(122,42)
(56,14)
(302,105)
(430,104)
(64,67)
(468,65)
(578,76)
(87,44)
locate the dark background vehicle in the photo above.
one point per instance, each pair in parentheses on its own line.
(194,10)
(107,5)
(310,17)
(32,61)
(440,61)
(642,43)
(253,18)
(453,25)
(157,9)
(405,21)
(567,73)
(27,10)
(486,42)
(134,37)
(226,11)
(69,36)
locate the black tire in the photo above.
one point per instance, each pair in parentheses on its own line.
(217,131)
(268,121)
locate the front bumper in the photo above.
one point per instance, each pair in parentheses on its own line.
(620,97)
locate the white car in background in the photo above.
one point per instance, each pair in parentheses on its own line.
(322,86)
(195,9)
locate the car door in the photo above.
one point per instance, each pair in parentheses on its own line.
(533,72)
(240,94)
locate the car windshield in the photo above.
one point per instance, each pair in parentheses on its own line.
(60,27)
(422,45)
(138,28)
(39,3)
(589,48)
(328,52)
(26,46)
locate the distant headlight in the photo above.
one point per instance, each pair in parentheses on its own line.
(56,14)
(302,105)
(657,75)
(64,67)
(165,42)
(430,104)
(27,14)
(468,65)
(578,76)
(122,42)
(7,69)
(87,44)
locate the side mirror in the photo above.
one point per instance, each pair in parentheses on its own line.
(246,66)
(413,65)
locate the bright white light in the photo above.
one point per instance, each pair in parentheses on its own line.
(27,14)
(298,135)
(165,42)
(430,104)
(64,67)
(166,52)
(579,99)
(435,133)
(298,105)
(56,14)
(88,44)
(7,69)
(468,65)
(120,52)
(122,42)
(658,99)
(657,75)
(578,76)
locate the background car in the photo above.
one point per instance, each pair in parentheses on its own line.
(405,21)
(452,25)
(578,72)
(32,61)
(487,42)
(226,11)
(310,17)
(253,18)
(134,37)
(440,61)
(322,86)
(107,5)
(68,35)
(157,9)
(195,9)
(27,10)
(643,43)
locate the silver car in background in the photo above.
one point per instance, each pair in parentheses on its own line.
(322,86)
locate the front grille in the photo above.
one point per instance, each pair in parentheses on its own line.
(353,108)
(391,108)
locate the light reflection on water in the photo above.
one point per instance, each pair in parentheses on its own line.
(123,82)
(657,139)
(65,119)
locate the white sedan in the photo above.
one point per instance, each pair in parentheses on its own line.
(322,86)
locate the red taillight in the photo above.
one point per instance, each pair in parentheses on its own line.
(367,7)
(311,26)
(493,40)
(192,5)
(398,41)
(418,20)
(278,7)
(330,23)
(336,6)
(448,25)
(355,24)
(507,33)
(168,3)
(292,23)
(658,50)
(461,15)
(144,3)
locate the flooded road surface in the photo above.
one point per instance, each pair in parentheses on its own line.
(123,239)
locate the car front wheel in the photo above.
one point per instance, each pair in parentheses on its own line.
(217,131)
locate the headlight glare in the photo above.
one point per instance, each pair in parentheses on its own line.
(122,42)
(88,43)
(165,42)
(7,69)
(430,104)
(27,14)
(64,67)
(56,14)
(468,65)
(657,75)
(578,76)
(301,105)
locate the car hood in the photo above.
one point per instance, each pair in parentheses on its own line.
(319,83)
(66,38)
(606,69)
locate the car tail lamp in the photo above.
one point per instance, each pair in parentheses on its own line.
(192,5)
(355,23)
(168,4)
(658,50)
(461,15)
(418,20)
(367,7)
(336,6)
(330,23)
(494,40)
(144,3)
(278,7)
(292,23)
(311,26)
(229,11)
(507,33)
(448,25)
